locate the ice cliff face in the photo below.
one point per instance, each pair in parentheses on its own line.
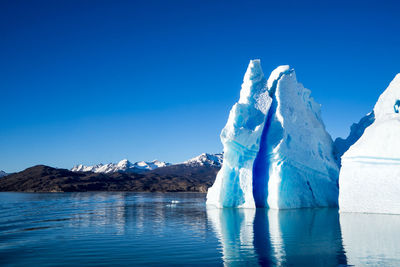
(370,174)
(277,153)
(295,166)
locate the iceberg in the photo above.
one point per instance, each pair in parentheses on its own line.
(241,140)
(277,153)
(370,174)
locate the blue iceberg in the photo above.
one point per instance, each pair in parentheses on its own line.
(277,153)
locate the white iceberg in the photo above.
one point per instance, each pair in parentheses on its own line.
(370,174)
(277,153)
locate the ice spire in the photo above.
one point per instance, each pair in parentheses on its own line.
(277,152)
(241,138)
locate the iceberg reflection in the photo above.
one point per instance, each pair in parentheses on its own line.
(234,228)
(308,237)
(371,239)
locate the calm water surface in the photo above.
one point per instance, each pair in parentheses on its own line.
(177,229)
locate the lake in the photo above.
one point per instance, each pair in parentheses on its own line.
(161,229)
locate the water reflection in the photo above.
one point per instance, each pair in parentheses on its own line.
(234,228)
(371,239)
(177,229)
(106,228)
(308,237)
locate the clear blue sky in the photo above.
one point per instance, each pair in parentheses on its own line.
(99,81)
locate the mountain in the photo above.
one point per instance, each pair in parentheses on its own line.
(277,152)
(2,173)
(174,178)
(122,166)
(206,159)
(194,175)
(126,166)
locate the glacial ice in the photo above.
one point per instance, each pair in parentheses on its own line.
(241,138)
(370,174)
(277,153)
(356,131)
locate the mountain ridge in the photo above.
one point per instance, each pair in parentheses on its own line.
(125,166)
(194,175)
(122,166)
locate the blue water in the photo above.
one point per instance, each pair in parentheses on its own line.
(63,229)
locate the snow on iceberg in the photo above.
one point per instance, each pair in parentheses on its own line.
(370,174)
(277,153)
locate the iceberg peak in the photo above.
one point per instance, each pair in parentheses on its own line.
(254,71)
(388,103)
(241,138)
(276,74)
(253,82)
(272,134)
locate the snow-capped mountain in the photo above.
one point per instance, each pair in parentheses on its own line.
(144,165)
(206,159)
(2,173)
(122,166)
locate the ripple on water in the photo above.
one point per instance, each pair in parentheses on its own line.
(177,229)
